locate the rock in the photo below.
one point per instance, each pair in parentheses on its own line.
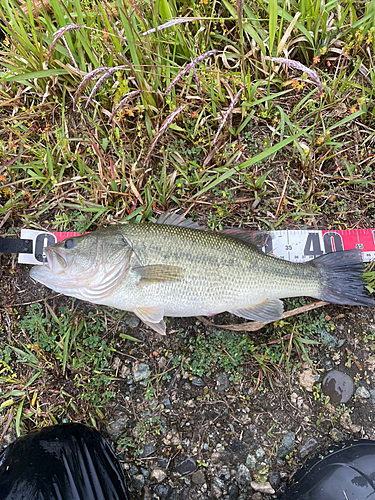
(346,422)
(161,490)
(215,457)
(198,477)
(243,475)
(197,381)
(116,427)
(162,462)
(219,483)
(222,382)
(338,386)
(262,487)
(186,466)
(362,392)
(260,453)
(236,445)
(131,321)
(331,340)
(233,492)
(309,447)
(307,379)
(158,475)
(372,394)
(251,462)
(148,449)
(275,480)
(287,445)
(215,492)
(257,496)
(137,483)
(336,434)
(141,373)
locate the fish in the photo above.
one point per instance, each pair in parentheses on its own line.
(174,268)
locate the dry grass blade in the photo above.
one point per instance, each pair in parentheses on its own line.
(239,13)
(70,54)
(84,82)
(123,101)
(253,326)
(187,69)
(198,83)
(290,63)
(228,113)
(60,33)
(170,23)
(100,82)
(167,122)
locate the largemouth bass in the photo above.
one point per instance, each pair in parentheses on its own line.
(157,270)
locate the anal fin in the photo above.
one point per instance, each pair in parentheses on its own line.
(266,311)
(152,317)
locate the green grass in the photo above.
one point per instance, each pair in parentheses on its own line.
(62,362)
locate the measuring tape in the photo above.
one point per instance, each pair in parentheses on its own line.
(293,245)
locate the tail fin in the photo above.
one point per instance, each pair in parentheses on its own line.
(342,281)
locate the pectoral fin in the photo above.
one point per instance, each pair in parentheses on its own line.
(266,311)
(159,272)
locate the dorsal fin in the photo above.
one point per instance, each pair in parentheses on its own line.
(178,220)
(257,239)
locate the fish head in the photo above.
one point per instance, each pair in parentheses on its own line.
(87,266)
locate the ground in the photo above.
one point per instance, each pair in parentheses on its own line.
(198,426)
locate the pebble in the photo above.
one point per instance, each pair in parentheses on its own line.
(287,445)
(161,490)
(262,487)
(259,453)
(275,480)
(138,482)
(233,492)
(309,447)
(116,427)
(346,422)
(372,394)
(198,477)
(243,475)
(131,321)
(215,492)
(148,449)
(162,462)
(197,381)
(222,382)
(338,386)
(236,445)
(336,435)
(186,466)
(362,392)
(251,462)
(141,373)
(219,483)
(256,496)
(307,379)
(158,475)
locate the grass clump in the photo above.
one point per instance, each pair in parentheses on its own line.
(62,367)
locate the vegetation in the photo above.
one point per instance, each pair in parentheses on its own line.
(117,111)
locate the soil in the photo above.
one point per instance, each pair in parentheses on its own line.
(209,436)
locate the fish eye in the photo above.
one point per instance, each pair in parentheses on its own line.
(70,243)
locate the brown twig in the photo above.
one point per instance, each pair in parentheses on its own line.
(253,326)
